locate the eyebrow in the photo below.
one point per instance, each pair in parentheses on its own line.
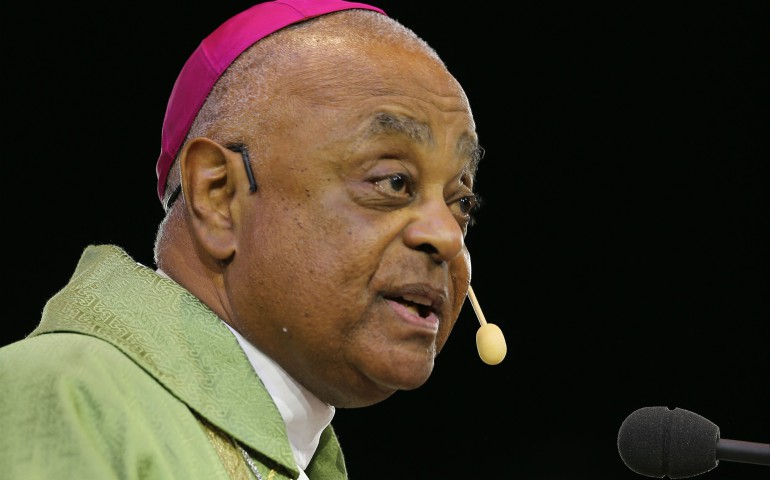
(391,123)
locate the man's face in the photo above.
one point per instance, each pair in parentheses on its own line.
(351,266)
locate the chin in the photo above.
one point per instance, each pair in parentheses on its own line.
(381,374)
(403,375)
(377,388)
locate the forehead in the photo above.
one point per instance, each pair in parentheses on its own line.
(324,67)
(335,92)
(415,87)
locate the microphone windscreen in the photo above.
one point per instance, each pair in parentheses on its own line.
(658,442)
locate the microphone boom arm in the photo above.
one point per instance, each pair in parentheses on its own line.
(745,452)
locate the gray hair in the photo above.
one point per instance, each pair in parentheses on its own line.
(227,110)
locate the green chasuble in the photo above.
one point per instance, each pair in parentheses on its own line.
(129,376)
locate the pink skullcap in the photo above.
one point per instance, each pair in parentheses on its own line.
(216,52)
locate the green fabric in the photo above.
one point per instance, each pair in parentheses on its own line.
(106,386)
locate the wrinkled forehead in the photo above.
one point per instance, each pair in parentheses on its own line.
(384,89)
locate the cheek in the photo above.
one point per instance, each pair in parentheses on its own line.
(314,260)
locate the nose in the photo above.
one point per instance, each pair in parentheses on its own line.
(435,231)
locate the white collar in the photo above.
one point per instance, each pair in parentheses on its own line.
(304,414)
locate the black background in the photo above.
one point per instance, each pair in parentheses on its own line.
(623,247)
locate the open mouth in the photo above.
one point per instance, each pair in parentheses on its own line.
(421,307)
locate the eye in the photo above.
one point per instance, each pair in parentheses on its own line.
(395,184)
(465,208)
(468,204)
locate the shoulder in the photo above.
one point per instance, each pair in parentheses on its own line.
(84,407)
(52,372)
(51,360)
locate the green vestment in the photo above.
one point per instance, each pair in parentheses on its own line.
(129,376)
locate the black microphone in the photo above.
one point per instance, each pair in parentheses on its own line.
(658,442)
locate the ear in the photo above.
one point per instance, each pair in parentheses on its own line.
(209,178)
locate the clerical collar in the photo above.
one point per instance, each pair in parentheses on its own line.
(304,414)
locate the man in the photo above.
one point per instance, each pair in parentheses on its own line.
(317,166)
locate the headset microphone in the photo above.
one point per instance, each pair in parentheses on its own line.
(490,341)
